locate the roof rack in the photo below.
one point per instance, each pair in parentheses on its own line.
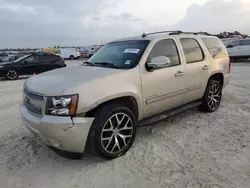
(160,32)
(175,33)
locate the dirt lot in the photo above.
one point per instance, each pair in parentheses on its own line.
(191,150)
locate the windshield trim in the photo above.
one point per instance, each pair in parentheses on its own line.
(21,58)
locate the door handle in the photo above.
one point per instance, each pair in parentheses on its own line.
(179,73)
(205,67)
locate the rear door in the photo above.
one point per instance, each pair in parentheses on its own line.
(234,49)
(45,63)
(29,65)
(245,47)
(197,68)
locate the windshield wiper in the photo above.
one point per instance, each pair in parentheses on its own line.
(88,63)
(106,64)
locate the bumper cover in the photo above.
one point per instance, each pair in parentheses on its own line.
(62,133)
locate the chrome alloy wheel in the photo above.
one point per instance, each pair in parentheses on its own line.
(214,97)
(117,133)
(12,75)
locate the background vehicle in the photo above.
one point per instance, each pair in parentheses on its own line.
(139,80)
(49,50)
(13,58)
(69,53)
(30,64)
(239,49)
(3,56)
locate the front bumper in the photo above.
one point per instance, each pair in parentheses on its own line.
(59,132)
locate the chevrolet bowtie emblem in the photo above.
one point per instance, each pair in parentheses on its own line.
(26,99)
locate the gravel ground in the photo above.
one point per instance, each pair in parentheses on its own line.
(191,150)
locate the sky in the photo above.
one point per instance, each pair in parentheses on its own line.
(44,23)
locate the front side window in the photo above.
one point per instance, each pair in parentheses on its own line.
(234,44)
(215,47)
(30,59)
(167,48)
(192,50)
(121,54)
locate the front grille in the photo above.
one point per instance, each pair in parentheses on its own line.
(32,108)
(33,95)
(33,102)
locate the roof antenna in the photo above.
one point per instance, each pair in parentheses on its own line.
(143,35)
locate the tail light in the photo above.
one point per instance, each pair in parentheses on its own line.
(62,61)
(229,66)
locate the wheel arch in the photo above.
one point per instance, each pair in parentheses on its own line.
(219,77)
(128,101)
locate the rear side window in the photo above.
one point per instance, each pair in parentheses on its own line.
(215,47)
(192,50)
(48,57)
(166,47)
(245,43)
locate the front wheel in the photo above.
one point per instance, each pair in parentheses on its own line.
(12,74)
(113,131)
(212,97)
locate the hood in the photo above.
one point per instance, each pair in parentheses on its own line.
(53,83)
(5,63)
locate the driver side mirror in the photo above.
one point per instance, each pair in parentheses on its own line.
(230,46)
(158,63)
(24,62)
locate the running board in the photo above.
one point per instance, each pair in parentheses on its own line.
(167,114)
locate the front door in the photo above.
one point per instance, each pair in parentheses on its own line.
(29,65)
(197,69)
(163,88)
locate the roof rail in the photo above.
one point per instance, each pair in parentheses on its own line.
(159,32)
(175,33)
(194,33)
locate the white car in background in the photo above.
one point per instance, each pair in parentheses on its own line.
(239,48)
(69,53)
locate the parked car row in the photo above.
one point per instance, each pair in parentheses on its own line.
(30,64)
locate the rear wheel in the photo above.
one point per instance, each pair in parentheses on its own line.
(212,96)
(113,131)
(12,74)
(71,57)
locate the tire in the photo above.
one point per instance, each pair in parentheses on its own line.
(71,57)
(212,97)
(12,74)
(108,141)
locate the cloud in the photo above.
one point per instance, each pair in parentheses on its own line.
(217,16)
(43,23)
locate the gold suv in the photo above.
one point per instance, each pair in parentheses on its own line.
(128,82)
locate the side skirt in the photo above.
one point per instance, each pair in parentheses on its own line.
(167,114)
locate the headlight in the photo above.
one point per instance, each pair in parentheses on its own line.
(62,106)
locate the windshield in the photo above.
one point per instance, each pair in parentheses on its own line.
(21,58)
(122,54)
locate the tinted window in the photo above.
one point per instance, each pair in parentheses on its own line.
(235,43)
(31,59)
(192,50)
(166,47)
(48,57)
(122,54)
(215,47)
(245,43)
